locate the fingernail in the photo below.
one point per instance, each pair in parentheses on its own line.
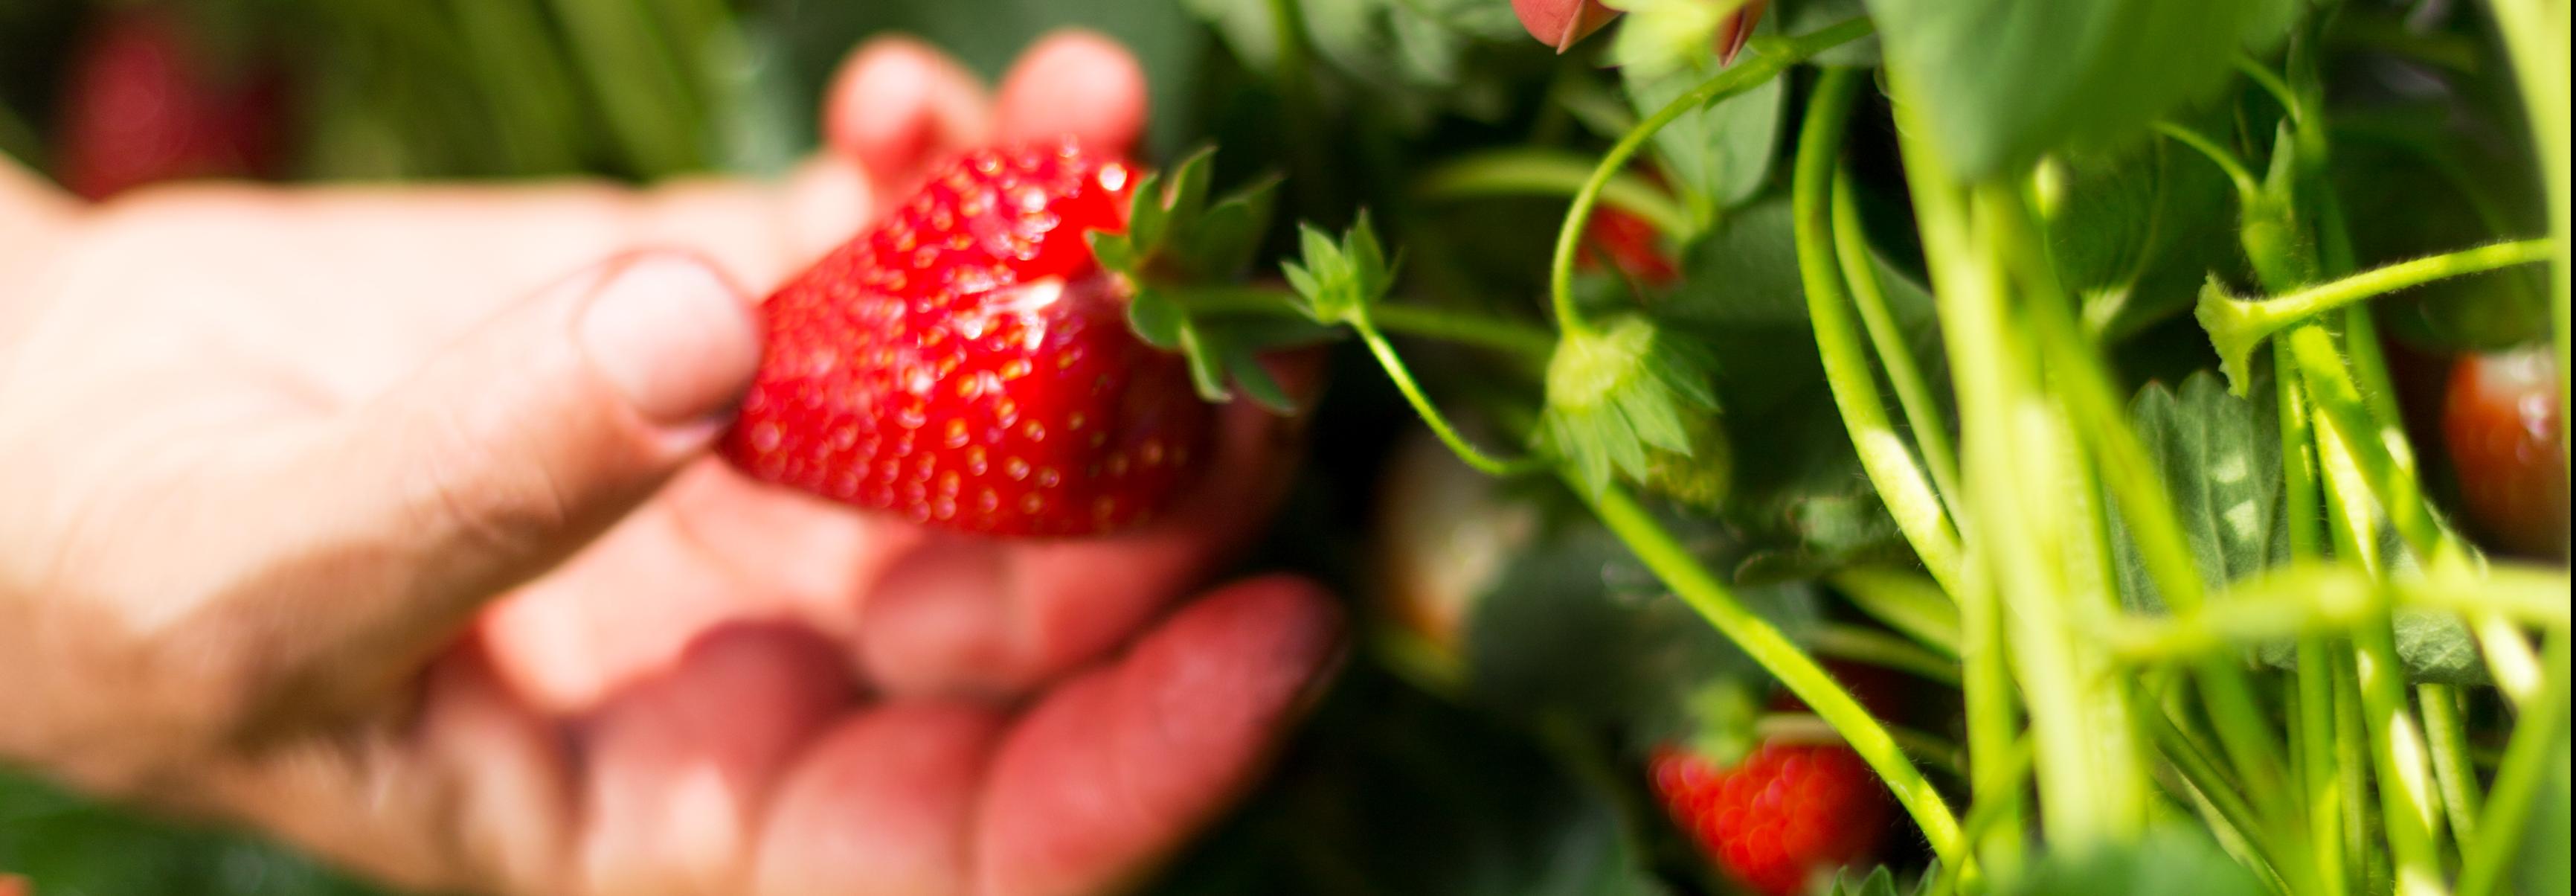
(672,337)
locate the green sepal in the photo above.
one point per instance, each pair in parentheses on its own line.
(1620,393)
(1340,281)
(1157,319)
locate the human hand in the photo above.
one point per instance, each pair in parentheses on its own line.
(267,456)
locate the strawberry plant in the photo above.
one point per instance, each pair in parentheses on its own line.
(2023,389)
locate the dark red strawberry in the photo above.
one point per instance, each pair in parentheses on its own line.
(145,104)
(1632,245)
(2500,421)
(1786,814)
(968,363)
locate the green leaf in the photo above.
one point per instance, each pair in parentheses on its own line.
(1721,153)
(2168,861)
(2220,457)
(2006,81)
(2133,232)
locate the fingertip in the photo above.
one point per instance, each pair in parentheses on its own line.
(1118,766)
(1080,83)
(882,803)
(678,771)
(897,104)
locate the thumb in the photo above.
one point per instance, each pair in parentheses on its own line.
(500,456)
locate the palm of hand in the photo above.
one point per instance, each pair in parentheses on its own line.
(733,689)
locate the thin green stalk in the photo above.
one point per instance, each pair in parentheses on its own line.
(2320,598)
(1969,288)
(1884,455)
(2247,187)
(2086,390)
(2448,735)
(1768,62)
(1759,639)
(2385,467)
(2518,779)
(2235,325)
(1906,602)
(1923,415)
(1876,648)
(2322,795)
(2204,776)
(1536,171)
(2396,747)
(2535,37)
(1430,413)
(1401,318)
(2366,866)
(2263,76)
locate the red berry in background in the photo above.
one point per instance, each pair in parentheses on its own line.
(1561,23)
(1787,813)
(1632,245)
(145,104)
(967,363)
(2500,421)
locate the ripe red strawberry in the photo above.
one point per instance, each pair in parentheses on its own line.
(1632,245)
(2500,421)
(144,104)
(1787,813)
(969,364)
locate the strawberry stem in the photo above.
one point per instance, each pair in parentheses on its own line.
(1430,413)
(1405,319)
(1553,172)
(1744,76)
(1923,416)
(1884,456)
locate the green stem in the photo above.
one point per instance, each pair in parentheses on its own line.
(2263,76)
(2320,598)
(2235,326)
(2212,785)
(2246,186)
(2541,730)
(2396,746)
(1763,642)
(2448,736)
(1808,728)
(2386,466)
(1922,415)
(1969,290)
(1743,76)
(1449,435)
(2535,37)
(2143,501)
(1402,318)
(1877,648)
(1552,172)
(1905,601)
(1884,456)
(2320,784)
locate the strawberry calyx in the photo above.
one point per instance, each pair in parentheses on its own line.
(1180,249)
(1621,391)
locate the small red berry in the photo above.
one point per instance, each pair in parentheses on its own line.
(1787,813)
(2500,422)
(967,362)
(1632,245)
(143,103)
